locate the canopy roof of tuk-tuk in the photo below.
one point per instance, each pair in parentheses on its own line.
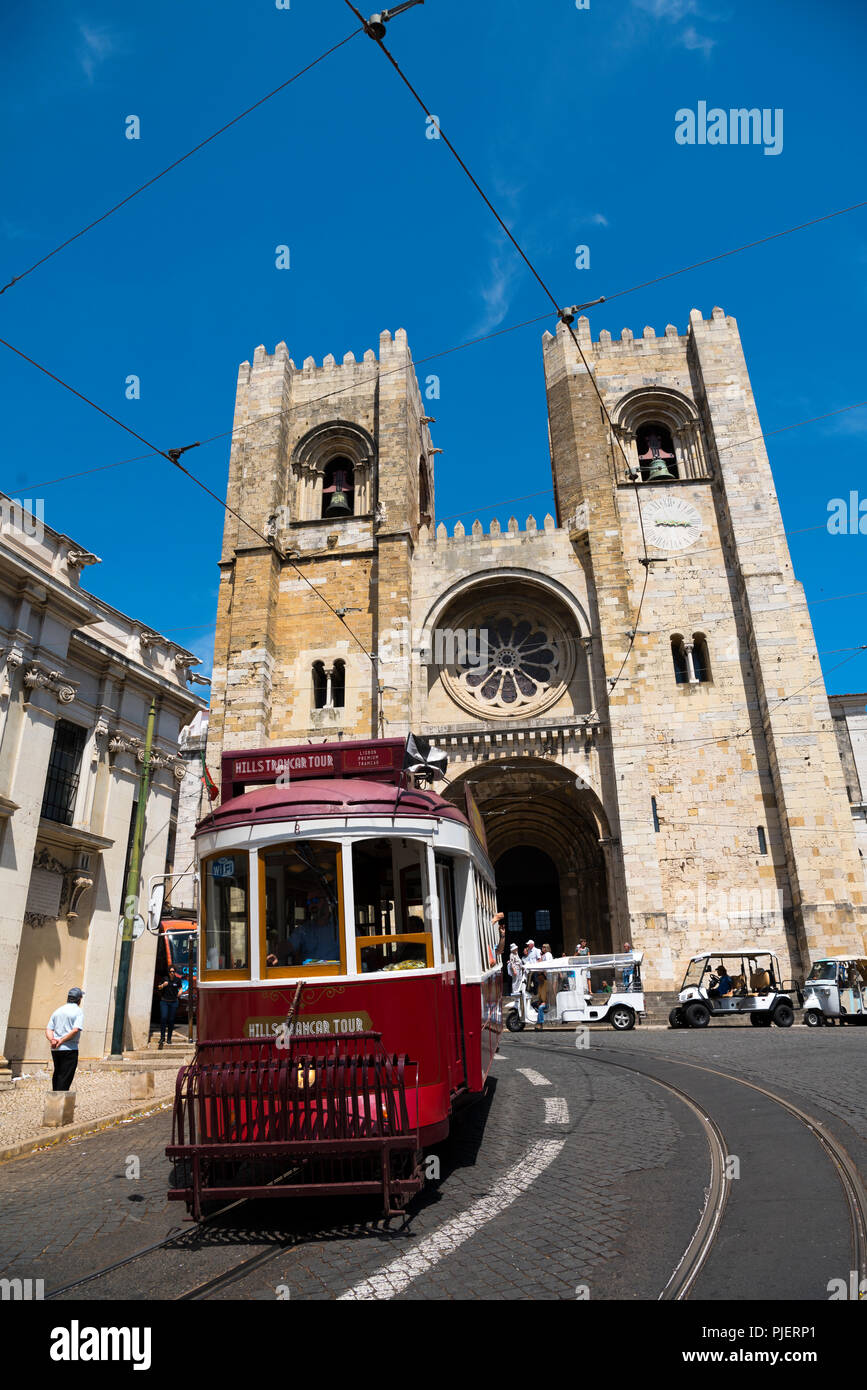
(585,962)
(751,951)
(841,960)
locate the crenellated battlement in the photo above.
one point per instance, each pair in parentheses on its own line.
(648,341)
(392,350)
(477,532)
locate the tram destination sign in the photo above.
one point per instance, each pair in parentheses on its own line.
(378,759)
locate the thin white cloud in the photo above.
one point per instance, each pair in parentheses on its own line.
(692,40)
(667,9)
(97,45)
(496,293)
(599,219)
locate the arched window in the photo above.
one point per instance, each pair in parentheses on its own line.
(700,658)
(661,434)
(338,685)
(678,657)
(656,452)
(320,685)
(424,511)
(338,489)
(329,685)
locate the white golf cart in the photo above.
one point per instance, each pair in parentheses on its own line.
(836,988)
(743,980)
(578,989)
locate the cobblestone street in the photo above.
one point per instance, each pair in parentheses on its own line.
(574,1178)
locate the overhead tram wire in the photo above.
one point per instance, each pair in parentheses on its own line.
(173,456)
(377,33)
(564,316)
(180,160)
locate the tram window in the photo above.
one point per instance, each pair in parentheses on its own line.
(389,889)
(446,895)
(302,907)
(225,912)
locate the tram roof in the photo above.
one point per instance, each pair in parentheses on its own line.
(340,797)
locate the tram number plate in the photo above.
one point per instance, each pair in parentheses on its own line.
(223,868)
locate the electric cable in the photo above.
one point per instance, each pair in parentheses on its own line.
(201,145)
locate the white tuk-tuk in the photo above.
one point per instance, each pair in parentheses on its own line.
(836,988)
(578,989)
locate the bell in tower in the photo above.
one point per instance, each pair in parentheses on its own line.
(337,495)
(653,460)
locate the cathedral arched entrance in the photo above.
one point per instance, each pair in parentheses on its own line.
(544,827)
(528,891)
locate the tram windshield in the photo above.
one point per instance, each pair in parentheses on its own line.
(390,888)
(302,914)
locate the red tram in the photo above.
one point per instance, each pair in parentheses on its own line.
(325,868)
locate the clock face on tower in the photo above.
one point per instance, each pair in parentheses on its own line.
(671,524)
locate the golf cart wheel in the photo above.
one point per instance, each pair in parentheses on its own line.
(621,1018)
(697,1015)
(513,1022)
(675,1019)
(814,1018)
(784,1016)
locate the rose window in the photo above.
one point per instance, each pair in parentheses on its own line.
(518,664)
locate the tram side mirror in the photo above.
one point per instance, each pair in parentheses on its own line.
(155,907)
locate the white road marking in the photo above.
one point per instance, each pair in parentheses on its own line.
(393,1278)
(556,1111)
(535,1078)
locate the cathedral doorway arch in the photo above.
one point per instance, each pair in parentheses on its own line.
(549,841)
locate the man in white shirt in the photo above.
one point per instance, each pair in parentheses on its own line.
(63,1033)
(534,953)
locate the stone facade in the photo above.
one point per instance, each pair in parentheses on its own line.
(683,778)
(76,681)
(850,725)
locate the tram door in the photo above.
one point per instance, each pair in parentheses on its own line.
(451,980)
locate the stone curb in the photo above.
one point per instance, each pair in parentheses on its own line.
(135,1112)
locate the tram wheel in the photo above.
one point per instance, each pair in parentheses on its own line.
(784,1016)
(814,1018)
(697,1015)
(513,1022)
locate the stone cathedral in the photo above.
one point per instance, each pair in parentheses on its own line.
(677,784)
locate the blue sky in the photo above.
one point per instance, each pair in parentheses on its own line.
(566,116)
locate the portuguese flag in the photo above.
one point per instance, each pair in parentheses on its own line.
(210,785)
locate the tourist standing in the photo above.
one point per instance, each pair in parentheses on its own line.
(63,1033)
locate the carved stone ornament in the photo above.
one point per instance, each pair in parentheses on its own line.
(126,743)
(55,681)
(527,664)
(81,884)
(185,660)
(77,559)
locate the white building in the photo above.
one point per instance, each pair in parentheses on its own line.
(76,682)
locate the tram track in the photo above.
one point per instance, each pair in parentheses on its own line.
(698,1250)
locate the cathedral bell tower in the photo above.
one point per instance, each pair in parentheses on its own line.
(332,466)
(722,771)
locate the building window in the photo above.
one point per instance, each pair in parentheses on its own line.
(329,685)
(424,509)
(678,657)
(515,921)
(64,771)
(543,920)
(763,839)
(700,658)
(338,489)
(655,814)
(656,453)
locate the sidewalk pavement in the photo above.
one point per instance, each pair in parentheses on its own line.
(101,1098)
